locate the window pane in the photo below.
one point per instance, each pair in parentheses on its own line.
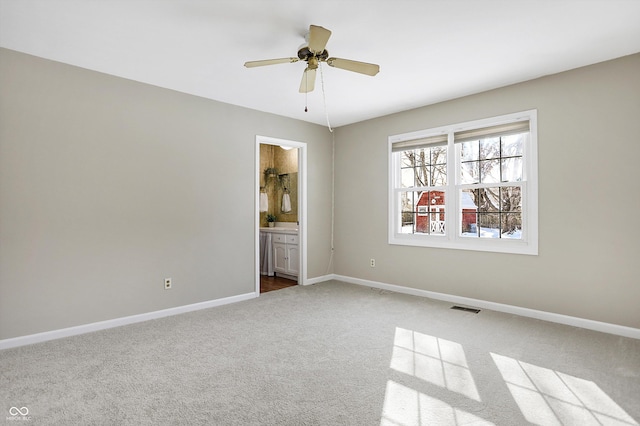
(407,159)
(490,171)
(489,225)
(422,175)
(439,175)
(512,226)
(406,178)
(511,199)
(436,219)
(469,150)
(426,180)
(470,172)
(407,222)
(512,169)
(422,224)
(436,158)
(489,148)
(436,199)
(422,156)
(488,200)
(436,202)
(469,210)
(512,146)
(439,155)
(406,201)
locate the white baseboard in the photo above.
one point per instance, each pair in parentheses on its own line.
(117,322)
(604,327)
(320,279)
(619,330)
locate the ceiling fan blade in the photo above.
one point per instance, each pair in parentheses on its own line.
(318,38)
(355,66)
(308,81)
(252,64)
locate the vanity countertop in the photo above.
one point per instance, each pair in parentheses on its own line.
(280,230)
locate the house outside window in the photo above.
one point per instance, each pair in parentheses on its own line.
(469,186)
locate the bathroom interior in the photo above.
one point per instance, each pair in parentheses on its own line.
(279,222)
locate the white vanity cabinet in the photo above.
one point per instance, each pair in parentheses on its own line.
(286,254)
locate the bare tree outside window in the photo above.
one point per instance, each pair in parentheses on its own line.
(494,160)
(470,186)
(420,168)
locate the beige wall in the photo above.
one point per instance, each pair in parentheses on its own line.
(589,158)
(107,186)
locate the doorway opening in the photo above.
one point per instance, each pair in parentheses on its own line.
(280,213)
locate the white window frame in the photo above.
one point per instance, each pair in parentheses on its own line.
(452,239)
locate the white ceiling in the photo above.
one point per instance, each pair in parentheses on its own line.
(428,50)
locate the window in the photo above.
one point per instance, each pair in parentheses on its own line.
(466,186)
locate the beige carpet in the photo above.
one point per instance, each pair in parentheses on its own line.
(327,354)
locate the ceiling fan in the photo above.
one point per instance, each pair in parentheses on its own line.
(313,53)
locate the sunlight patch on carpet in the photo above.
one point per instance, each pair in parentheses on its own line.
(437,361)
(406,406)
(549,397)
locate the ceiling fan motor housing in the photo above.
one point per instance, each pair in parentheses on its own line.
(305,54)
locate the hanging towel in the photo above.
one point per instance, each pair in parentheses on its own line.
(286,203)
(264,202)
(266,254)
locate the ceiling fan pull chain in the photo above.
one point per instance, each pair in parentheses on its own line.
(306,93)
(324,98)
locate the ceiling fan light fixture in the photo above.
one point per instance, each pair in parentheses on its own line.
(305,54)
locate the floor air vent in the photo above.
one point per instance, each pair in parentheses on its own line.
(462,308)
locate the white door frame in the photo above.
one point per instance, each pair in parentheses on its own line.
(302,204)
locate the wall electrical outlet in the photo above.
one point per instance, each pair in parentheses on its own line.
(372,263)
(167,283)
